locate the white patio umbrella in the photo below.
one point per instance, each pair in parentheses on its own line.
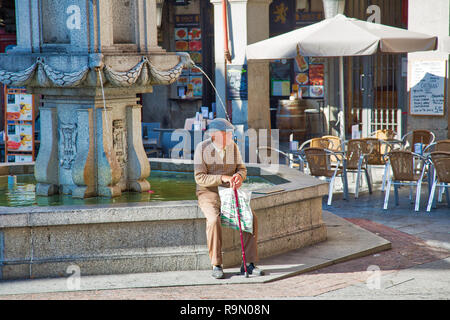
(338,37)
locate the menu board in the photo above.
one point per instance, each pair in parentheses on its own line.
(19,124)
(427,87)
(309,75)
(188,38)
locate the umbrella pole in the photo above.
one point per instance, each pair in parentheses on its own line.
(341,116)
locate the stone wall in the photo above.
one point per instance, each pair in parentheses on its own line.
(431,17)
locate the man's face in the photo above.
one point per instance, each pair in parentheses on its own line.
(223,138)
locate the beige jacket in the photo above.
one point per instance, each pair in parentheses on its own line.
(209,166)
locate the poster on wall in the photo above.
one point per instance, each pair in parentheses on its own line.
(19,123)
(316,74)
(237,82)
(309,75)
(20,137)
(197,85)
(281,88)
(188,38)
(427,87)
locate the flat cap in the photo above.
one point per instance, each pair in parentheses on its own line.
(220,124)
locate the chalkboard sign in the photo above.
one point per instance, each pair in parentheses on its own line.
(237,82)
(428,87)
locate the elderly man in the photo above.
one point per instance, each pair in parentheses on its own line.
(218,162)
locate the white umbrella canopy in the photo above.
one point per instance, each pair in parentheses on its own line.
(338,37)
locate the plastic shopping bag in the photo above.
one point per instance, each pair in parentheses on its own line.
(228,211)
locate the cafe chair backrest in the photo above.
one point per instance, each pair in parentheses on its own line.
(378,150)
(402,163)
(422,136)
(385,134)
(323,143)
(319,161)
(441,162)
(442,145)
(336,143)
(354,149)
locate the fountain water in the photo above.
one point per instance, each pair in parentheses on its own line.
(215,89)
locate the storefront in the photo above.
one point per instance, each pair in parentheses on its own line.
(303,76)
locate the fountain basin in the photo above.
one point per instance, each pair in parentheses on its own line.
(43,241)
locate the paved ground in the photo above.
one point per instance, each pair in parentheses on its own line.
(417,266)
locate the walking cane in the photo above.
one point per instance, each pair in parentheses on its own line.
(240,231)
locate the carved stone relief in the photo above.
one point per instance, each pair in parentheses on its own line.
(119,138)
(68,144)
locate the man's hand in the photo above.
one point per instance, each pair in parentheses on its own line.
(235,181)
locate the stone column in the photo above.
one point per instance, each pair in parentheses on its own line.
(46,167)
(83,172)
(248,22)
(138,164)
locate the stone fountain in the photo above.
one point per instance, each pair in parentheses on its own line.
(69,51)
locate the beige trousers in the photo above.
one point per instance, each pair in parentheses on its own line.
(209,203)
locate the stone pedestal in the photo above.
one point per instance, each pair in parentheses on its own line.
(89,150)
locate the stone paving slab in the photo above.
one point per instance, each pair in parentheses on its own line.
(345,241)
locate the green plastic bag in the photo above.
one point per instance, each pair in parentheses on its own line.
(228,211)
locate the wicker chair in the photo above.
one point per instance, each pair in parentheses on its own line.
(425,137)
(441,177)
(384,134)
(336,146)
(322,143)
(319,161)
(377,156)
(356,156)
(441,145)
(405,172)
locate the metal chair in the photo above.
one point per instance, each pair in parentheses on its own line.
(384,134)
(356,160)
(441,145)
(425,137)
(319,161)
(405,172)
(379,148)
(322,143)
(337,146)
(441,177)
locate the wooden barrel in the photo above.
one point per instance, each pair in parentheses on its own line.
(291,119)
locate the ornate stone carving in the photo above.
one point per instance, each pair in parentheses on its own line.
(119,138)
(68,144)
(46,76)
(144,73)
